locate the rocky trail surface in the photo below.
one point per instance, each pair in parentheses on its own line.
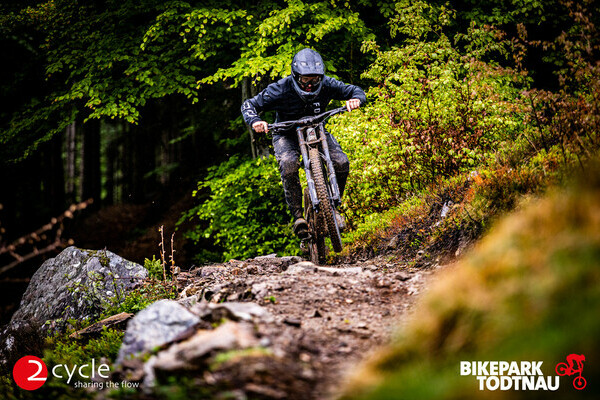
(264,328)
(270,327)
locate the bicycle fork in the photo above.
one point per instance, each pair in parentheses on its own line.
(314,137)
(310,182)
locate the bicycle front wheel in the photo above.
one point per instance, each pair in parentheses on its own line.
(579,383)
(326,208)
(316,243)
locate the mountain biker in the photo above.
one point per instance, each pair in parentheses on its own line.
(305,92)
(576,359)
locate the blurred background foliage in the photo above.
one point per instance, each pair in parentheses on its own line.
(480,106)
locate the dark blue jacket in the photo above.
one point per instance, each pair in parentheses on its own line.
(288,105)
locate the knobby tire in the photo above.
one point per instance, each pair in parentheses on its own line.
(326,208)
(316,244)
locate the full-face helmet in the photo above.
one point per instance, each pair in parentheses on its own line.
(308,71)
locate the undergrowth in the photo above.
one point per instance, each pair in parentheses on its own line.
(526,292)
(445,117)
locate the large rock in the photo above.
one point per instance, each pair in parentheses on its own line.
(158,324)
(76,284)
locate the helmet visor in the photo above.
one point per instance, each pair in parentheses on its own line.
(309,83)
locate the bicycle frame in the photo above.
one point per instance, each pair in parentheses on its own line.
(310,136)
(311,133)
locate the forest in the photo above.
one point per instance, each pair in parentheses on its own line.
(119,105)
(120,117)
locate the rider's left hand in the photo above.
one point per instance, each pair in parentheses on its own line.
(352,104)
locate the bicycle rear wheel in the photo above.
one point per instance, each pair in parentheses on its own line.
(326,208)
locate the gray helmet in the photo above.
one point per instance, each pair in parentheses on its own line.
(308,62)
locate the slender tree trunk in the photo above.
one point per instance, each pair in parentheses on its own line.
(111,160)
(91,180)
(71,153)
(246,94)
(127,165)
(164,156)
(140,162)
(56,181)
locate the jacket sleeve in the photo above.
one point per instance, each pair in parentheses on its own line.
(264,101)
(343,91)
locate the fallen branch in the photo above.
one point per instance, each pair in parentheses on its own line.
(39,236)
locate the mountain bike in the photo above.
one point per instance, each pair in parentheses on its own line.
(322,193)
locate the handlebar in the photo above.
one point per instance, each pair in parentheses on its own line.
(285,125)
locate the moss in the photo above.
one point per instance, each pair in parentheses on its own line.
(101,255)
(529,291)
(238,356)
(62,349)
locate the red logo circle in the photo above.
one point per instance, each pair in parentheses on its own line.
(30,373)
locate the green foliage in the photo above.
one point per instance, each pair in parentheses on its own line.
(140,298)
(377,226)
(560,127)
(109,60)
(437,110)
(275,34)
(64,350)
(504,12)
(154,267)
(7,390)
(181,388)
(246,214)
(60,349)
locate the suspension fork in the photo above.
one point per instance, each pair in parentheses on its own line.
(310,182)
(335,189)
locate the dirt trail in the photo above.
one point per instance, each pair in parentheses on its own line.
(325,319)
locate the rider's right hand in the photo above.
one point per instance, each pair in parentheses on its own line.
(260,126)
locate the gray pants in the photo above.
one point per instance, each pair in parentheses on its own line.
(287,153)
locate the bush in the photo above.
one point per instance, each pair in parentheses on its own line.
(437,109)
(245,214)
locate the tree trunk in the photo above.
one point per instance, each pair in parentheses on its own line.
(112,152)
(56,176)
(142,161)
(71,170)
(246,94)
(91,180)
(127,165)
(164,156)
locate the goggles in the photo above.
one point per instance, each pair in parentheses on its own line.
(308,83)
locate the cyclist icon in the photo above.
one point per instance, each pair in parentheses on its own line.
(568,368)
